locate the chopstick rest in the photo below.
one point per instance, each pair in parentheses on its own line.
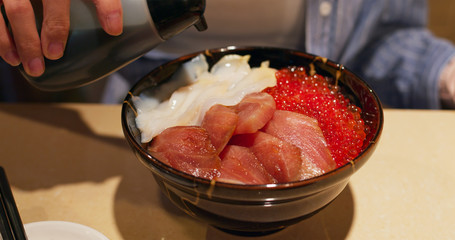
(11,223)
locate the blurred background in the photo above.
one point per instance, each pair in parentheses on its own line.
(441,19)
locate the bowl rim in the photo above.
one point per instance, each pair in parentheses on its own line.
(343,171)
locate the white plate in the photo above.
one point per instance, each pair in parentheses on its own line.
(61,230)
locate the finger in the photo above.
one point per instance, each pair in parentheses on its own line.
(55,27)
(7,49)
(22,21)
(110,15)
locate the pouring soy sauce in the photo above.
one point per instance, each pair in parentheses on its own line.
(92,54)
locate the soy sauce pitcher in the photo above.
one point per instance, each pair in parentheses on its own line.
(92,54)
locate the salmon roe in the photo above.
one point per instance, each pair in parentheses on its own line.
(339,120)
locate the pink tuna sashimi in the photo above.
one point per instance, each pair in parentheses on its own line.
(281,159)
(240,165)
(303,132)
(188,149)
(220,122)
(254,111)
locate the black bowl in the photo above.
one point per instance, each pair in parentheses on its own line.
(255,209)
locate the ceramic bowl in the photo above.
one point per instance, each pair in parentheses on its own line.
(255,209)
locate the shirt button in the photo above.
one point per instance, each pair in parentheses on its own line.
(325,8)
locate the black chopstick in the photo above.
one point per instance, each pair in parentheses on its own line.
(10,215)
(5,229)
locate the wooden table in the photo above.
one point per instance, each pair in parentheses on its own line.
(70,162)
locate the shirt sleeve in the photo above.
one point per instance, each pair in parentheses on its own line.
(386,43)
(405,67)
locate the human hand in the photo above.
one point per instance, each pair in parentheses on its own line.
(447,85)
(21,43)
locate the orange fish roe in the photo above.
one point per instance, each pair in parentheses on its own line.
(339,120)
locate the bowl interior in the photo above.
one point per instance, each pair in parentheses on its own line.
(357,90)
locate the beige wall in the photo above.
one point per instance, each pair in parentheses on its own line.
(442,18)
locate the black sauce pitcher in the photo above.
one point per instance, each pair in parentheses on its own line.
(92,54)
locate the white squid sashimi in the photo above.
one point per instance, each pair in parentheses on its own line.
(227,83)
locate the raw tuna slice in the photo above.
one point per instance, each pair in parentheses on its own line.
(281,159)
(303,132)
(240,165)
(188,149)
(254,111)
(220,122)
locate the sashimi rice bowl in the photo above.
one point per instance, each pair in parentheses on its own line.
(251,140)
